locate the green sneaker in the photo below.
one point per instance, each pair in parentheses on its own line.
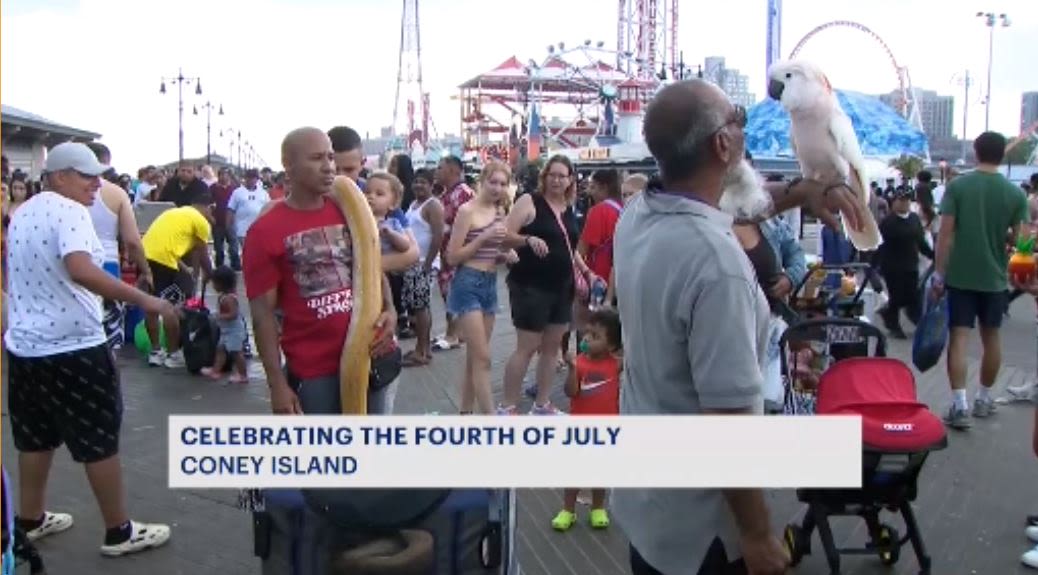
(599,518)
(564,520)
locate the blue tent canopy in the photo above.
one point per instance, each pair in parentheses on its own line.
(881,130)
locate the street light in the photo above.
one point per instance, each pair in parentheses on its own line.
(180,80)
(966,81)
(230,134)
(208,107)
(989,21)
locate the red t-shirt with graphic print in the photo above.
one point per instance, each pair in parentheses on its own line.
(599,384)
(307,256)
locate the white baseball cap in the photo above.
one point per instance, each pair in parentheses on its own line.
(74,156)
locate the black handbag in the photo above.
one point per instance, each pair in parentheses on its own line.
(385,369)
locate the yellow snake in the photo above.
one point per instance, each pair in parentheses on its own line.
(410,552)
(355,364)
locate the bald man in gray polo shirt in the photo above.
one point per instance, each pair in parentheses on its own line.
(697,325)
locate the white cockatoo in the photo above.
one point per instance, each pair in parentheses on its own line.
(823,138)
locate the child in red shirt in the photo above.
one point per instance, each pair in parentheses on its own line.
(593,386)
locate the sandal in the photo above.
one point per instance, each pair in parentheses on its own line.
(564,520)
(599,519)
(412,359)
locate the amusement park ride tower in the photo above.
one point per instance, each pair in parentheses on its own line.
(647,38)
(409,89)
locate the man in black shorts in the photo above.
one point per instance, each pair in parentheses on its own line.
(63,385)
(178,234)
(977,211)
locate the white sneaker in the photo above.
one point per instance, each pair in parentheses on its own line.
(1024,392)
(175,360)
(1030,558)
(52,523)
(143,536)
(1032,533)
(157,358)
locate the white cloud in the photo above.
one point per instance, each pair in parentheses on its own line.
(276,64)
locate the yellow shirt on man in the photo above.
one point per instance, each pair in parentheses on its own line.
(175,233)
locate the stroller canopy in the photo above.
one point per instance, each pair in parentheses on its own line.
(882,391)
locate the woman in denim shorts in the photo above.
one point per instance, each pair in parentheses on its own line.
(475,251)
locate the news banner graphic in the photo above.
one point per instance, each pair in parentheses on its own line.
(226,452)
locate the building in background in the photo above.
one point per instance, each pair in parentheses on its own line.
(937,112)
(1028,110)
(27,137)
(736,85)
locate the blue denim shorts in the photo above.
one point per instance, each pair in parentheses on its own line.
(472,290)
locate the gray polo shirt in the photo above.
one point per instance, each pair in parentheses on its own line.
(695,328)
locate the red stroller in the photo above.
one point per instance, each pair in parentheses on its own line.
(898,434)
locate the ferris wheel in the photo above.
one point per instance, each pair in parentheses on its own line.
(581,76)
(907,103)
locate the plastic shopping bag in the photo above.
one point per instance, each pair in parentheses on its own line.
(931,334)
(774,390)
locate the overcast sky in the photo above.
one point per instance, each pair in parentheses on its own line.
(279,64)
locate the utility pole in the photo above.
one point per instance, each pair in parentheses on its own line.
(965,113)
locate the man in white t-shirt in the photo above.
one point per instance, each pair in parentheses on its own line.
(63,385)
(245,205)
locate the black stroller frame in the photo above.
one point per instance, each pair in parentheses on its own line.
(874,497)
(835,304)
(25,552)
(840,341)
(15,538)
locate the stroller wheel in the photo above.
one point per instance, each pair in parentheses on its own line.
(797,544)
(889,545)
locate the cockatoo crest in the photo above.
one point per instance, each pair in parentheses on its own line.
(800,85)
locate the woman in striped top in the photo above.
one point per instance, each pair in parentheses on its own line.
(475,251)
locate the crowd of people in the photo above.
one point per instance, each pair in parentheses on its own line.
(598,258)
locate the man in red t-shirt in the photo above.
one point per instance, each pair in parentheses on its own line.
(298,258)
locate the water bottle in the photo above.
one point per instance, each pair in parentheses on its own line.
(598,292)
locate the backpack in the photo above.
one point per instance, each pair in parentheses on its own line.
(199,335)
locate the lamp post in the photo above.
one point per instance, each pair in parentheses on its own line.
(990,19)
(231,134)
(208,107)
(966,81)
(180,80)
